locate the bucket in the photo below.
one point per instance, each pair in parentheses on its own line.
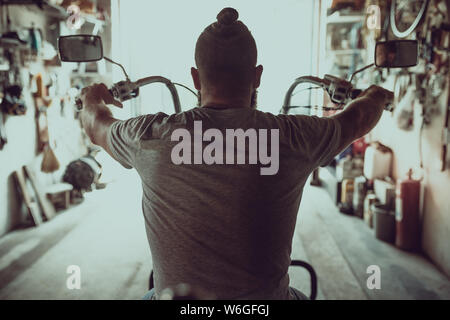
(370,199)
(384,222)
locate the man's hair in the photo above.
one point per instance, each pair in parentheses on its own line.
(226,53)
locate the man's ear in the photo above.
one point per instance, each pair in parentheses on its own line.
(196,78)
(258,74)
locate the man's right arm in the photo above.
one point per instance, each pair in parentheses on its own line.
(362,114)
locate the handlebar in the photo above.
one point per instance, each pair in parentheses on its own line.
(148,80)
(304,79)
(340,91)
(126,90)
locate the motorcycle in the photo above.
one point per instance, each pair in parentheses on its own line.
(388,54)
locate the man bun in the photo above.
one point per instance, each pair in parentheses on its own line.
(226,54)
(227,16)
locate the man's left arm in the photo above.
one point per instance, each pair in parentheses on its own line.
(96,117)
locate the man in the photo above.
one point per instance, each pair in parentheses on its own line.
(225,228)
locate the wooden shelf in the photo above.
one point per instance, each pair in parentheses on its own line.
(336,18)
(42,6)
(85,74)
(345,51)
(51,10)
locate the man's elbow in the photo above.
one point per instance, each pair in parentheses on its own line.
(96,127)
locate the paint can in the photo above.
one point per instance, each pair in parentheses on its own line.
(383,222)
(359,193)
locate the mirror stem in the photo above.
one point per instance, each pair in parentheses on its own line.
(118,64)
(360,70)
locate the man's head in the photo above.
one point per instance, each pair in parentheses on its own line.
(226,55)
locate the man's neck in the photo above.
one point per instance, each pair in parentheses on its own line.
(225,103)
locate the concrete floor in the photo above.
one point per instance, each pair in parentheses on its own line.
(105,237)
(341,247)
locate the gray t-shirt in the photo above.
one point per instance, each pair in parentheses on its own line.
(224,228)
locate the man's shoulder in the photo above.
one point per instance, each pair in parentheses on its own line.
(284,120)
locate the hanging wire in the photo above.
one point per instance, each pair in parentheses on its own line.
(306,107)
(305,89)
(187,88)
(420,142)
(316,107)
(324,108)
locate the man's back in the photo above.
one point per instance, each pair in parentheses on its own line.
(226,228)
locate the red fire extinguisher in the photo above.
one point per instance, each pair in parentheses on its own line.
(407,214)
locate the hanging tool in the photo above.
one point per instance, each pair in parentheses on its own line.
(446,136)
(3,139)
(12,102)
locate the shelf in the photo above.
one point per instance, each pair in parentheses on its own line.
(345,51)
(336,18)
(85,75)
(41,6)
(51,10)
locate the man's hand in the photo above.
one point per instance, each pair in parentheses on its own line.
(98,94)
(378,95)
(362,114)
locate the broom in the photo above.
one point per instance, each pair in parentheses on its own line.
(49,161)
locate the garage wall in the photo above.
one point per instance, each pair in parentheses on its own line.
(436,200)
(435,233)
(21,146)
(64,131)
(405,145)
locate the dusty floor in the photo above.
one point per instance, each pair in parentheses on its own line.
(105,237)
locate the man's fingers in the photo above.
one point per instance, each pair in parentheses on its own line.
(117,103)
(380,94)
(99,92)
(109,98)
(389,94)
